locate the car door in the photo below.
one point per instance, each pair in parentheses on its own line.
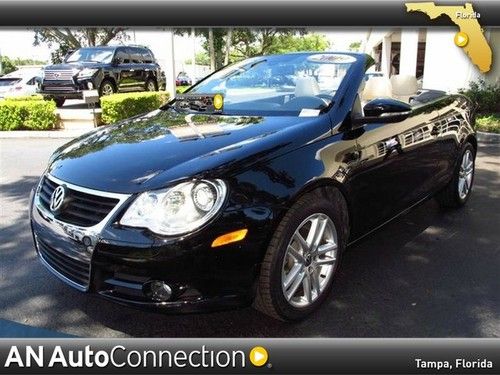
(138,72)
(396,168)
(125,70)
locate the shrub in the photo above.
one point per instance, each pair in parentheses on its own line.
(118,107)
(27,114)
(488,123)
(182,89)
(24,98)
(486,95)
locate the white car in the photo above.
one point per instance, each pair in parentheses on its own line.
(19,83)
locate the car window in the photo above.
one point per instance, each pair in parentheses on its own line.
(123,56)
(8,81)
(92,54)
(147,57)
(282,84)
(135,55)
(31,82)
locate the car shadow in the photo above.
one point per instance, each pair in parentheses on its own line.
(429,273)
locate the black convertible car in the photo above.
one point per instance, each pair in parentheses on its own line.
(249,188)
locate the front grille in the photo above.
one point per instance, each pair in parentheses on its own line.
(75,270)
(59,88)
(80,208)
(58,75)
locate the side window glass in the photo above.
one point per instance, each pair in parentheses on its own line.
(135,56)
(123,56)
(31,82)
(146,56)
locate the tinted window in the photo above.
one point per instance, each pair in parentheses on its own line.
(147,57)
(135,55)
(8,81)
(282,84)
(123,56)
(91,54)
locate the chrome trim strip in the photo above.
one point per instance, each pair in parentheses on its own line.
(76,232)
(93,230)
(87,190)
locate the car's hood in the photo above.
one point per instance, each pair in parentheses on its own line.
(156,149)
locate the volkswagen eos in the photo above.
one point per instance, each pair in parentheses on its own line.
(248,188)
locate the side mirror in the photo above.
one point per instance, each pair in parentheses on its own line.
(384,111)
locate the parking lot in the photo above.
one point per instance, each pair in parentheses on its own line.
(427,274)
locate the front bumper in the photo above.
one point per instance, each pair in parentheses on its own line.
(118,261)
(67,89)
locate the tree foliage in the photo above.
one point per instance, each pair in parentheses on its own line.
(8,65)
(355,46)
(63,40)
(246,42)
(201,58)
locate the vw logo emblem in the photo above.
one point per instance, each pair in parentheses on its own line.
(57,198)
(57,75)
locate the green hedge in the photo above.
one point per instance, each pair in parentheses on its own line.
(24,98)
(27,114)
(488,123)
(118,107)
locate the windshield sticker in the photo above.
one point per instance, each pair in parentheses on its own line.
(211,103)
(308,112)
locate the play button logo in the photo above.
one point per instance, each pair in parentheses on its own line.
(258,356)
(461,39)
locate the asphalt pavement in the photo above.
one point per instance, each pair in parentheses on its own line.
(427,274)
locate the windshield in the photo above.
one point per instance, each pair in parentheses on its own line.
(279,85)
(8,81)
(98,55)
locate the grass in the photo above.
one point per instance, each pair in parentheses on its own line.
(489,122)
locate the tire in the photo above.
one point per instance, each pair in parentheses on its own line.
(330,205)
(59,102)
(151,85)
(107,88)
(453,195)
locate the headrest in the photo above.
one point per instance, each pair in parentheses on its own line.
(306,86)
(404,84)
(377,87)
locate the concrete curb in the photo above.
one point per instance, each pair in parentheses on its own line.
(488,137)
(18,134)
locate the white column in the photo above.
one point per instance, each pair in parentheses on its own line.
(193,55)
(385,64)
(447,67)
(170,63)
(409,50)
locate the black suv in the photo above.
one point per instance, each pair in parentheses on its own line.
(108,69)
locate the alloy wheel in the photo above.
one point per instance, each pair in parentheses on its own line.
(465,174)
(151,86)
(107,89)
(310,260)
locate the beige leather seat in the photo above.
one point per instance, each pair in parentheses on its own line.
(403,87)
(377,87)
(306,86)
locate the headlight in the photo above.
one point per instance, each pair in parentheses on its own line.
(87,72)
(177,210)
